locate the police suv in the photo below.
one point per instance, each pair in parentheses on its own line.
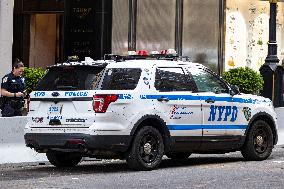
(142,109)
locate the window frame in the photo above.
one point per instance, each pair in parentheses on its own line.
(103,75)
(210,72)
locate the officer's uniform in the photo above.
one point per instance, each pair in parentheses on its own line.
(12,106)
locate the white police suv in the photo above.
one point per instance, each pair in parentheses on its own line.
(140,110)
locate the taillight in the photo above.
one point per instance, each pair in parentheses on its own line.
(102,101)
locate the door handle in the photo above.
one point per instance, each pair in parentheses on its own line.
(210,100)
(163,99)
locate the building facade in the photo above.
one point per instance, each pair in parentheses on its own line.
(247,32)
(221,34)
(6,36)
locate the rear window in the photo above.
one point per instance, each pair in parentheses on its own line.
(120,79)
(69,78)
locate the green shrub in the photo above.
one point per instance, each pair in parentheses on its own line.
(248,80)
(32,77)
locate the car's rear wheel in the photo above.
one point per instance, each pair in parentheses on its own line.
(147,149)
(61,159)
(259,142)
(178,155)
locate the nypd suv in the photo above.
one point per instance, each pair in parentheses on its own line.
(140,110)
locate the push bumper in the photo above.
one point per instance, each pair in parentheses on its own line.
(76,142)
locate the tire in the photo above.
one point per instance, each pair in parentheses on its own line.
(61,159)
(259,142)
(147,149)
(178,155)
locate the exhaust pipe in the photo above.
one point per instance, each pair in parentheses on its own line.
(82,148)
(78,143)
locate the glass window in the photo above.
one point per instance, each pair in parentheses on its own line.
(155,24)
(120,17)
(200,32)
(173,79)
(207,82)
(69,78)
(120,79)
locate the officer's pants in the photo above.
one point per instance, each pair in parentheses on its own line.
(9,111)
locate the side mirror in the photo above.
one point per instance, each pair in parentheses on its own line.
(234,90)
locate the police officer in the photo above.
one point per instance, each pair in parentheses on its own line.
(12,91)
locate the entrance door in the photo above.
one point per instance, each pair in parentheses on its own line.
(45,39)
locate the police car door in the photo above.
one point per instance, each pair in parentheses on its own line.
(220,113)
(180,107)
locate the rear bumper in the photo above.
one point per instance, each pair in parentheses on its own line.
(77,142)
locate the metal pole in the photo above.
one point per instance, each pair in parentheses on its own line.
(132,25)
(221,37)
(179,26)
(271,70)
(272,44)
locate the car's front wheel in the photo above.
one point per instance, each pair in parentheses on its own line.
(147,149)
(61,159)
(259,142)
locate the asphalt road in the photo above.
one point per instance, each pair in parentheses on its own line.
(199,171)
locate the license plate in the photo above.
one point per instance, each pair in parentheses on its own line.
(55,109)
(59,117)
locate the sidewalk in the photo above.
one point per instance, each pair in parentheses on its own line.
(12,144)
(280,121)
(18,153)
(280,138)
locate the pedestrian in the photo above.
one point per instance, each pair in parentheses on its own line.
(13,91)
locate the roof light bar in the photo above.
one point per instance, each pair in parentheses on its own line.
(169,54)
(143,53)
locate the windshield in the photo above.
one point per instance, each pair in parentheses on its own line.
(69,78)
(120,79)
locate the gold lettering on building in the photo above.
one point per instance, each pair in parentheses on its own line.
(82,12)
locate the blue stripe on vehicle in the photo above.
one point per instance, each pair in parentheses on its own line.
(195,97)
(198,127)
(125,96)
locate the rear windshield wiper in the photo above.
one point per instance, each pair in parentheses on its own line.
(65,87)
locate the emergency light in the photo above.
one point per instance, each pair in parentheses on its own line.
(169,54)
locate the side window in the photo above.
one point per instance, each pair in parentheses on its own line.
(173,79)
(119,79)
(92,80)
(207,82)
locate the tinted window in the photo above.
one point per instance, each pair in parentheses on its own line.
(207,82)
(120,79)
(69,78)
(173,79)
